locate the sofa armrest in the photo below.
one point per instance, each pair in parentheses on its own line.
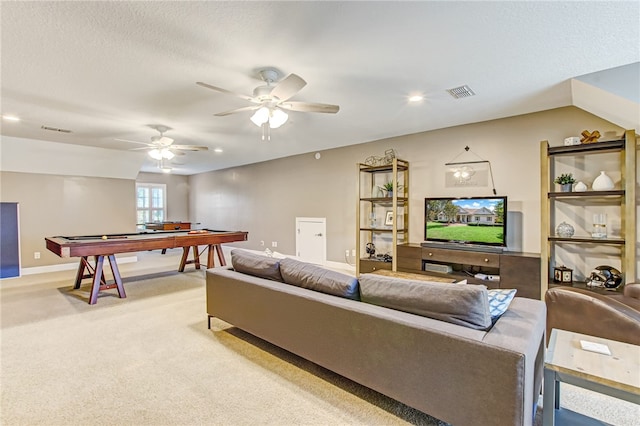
(522,329)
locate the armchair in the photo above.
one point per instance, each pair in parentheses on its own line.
(614,316)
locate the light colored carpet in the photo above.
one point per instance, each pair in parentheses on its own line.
(149,359)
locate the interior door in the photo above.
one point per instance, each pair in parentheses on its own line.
(311,239)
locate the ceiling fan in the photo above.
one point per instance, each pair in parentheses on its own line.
(271,99)
(162,147)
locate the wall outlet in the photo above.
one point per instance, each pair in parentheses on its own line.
(353,252)
(346,252)
(274,244)
(262,243)
(36,255)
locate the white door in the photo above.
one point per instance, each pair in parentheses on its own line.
(311,239)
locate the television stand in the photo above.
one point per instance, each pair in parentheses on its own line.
(516,270)
(452,245)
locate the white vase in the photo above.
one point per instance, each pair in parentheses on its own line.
(580,187)
(602,183)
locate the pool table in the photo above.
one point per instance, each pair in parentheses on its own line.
(101,246)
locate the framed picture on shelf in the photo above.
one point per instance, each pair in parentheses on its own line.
(388,220)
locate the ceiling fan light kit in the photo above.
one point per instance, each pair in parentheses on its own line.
(274,116)
(159,154)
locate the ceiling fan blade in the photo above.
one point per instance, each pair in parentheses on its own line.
(130,141)
(189,147)
(233,111)
(218,89)
(288,87)
(309,107)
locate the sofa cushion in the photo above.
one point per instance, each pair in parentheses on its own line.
(499,300)
(256,265)
(465,305)
(316,278)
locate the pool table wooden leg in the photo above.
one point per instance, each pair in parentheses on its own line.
(116,276)
(80,275)
(183,261)
(220,254)
(97,278)
(196,257)
(210,263)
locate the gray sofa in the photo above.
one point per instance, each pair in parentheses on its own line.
(468,374)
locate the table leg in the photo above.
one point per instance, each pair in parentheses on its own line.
(183,261)
(116,276)
(220,254)
(210,263)
(97,278)
(550,398)
(80,274)
(196,257)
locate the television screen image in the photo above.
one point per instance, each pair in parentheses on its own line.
(472,220)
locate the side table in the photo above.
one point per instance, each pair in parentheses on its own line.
(616,375)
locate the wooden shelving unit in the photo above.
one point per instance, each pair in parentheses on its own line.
(371,212)
(623,197)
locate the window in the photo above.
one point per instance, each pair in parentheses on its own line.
(151,203)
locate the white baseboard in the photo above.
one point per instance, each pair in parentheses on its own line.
(66,266)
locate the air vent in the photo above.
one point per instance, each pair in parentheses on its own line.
(461,92)
(55,129)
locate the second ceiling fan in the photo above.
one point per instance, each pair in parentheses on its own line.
(271,99)
(162,147)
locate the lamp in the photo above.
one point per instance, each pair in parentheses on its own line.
(278,118)
(159,154)
(274,116)
(261,116)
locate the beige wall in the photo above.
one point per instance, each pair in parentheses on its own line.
(264,199)
(74,205)
(177,193)
(66,205)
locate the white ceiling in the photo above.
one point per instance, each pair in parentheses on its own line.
(107,70)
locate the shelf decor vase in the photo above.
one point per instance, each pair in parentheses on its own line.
(602,183)
(566,187)
(565,230)
(580,187)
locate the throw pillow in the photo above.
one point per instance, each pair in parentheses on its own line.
(499,300)
(317,278)
(256,265)
(465,305)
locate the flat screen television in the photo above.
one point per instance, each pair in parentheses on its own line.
(470,220)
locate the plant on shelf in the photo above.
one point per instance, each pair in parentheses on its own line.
(565,179)
(389,188)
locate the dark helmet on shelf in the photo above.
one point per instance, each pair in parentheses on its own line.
(606,276)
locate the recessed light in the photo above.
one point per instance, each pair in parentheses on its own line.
(11,118)
(218,150)
(416,98)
